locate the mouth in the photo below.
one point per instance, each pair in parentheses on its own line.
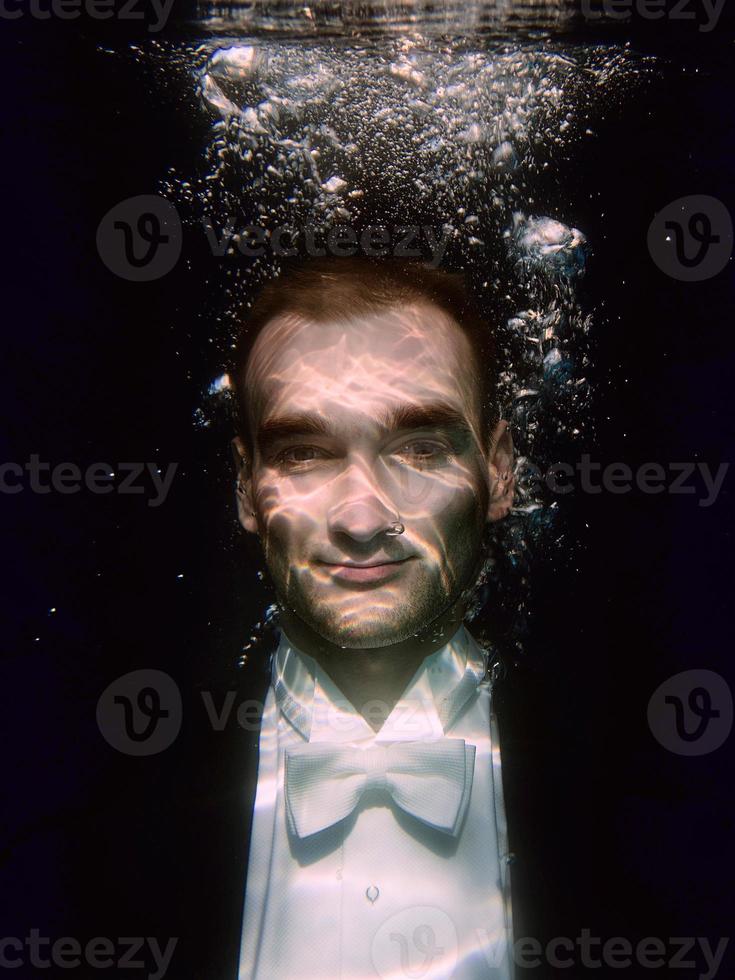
(364,572)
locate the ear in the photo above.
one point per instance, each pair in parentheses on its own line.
(500,472)
(244,486)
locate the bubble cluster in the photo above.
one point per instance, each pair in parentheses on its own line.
(313,133)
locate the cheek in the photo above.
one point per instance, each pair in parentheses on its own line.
(444,497)
(460,520)
(287,518)
(450,536)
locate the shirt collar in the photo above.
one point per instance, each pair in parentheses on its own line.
(429,706)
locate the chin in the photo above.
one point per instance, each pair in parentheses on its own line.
(371,619)
(364,633)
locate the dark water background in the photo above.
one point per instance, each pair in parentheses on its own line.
(612,832)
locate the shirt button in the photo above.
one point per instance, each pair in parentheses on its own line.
(371,893)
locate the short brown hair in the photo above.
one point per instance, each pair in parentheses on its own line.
(332,288)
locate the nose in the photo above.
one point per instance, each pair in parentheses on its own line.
(359,511)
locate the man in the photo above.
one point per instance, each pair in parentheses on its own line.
(369,464)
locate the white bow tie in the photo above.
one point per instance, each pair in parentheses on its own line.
(430,780)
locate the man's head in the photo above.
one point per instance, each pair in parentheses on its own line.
(361,391)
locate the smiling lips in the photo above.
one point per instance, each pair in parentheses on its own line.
(366,572)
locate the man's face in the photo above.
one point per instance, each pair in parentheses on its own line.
(356,426)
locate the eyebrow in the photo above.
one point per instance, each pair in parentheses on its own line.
(438,415)
(289,426)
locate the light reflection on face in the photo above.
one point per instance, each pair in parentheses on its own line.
(357,425)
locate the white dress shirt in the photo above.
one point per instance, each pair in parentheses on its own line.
(379,893)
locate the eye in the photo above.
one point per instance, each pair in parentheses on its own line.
(423,452)
(299,456)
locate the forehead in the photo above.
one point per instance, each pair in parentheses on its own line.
(412,354)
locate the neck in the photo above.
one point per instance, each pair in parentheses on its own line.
(373,678)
